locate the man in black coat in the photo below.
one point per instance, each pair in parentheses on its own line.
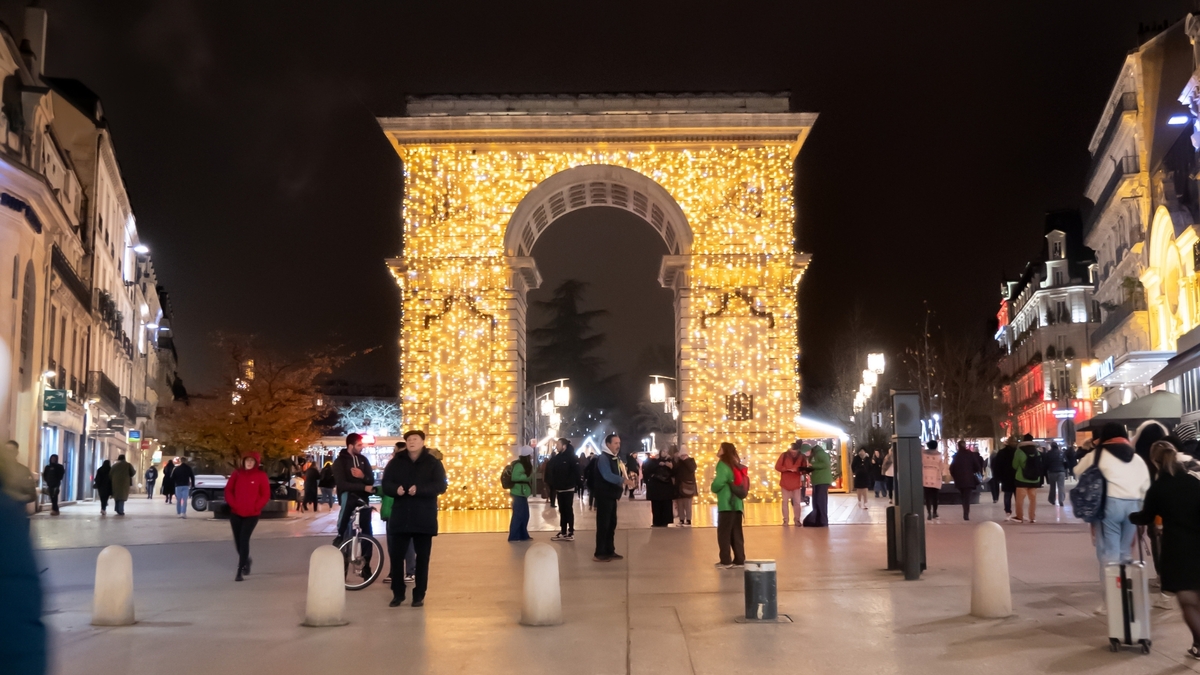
(355,483)
(414,479)
(52,477)
(1004,473)
(562,474)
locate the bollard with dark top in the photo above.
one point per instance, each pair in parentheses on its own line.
(761,604)
(893,545)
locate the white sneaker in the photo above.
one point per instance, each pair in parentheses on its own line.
(1010,519)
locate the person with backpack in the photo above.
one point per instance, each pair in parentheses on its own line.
(1120,483)
(520,487)
(685,486)
(562,475)
(820,468)
(1028,468)
(731,484)
(660,488)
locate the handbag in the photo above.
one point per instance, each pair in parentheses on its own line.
(385,507)
(687,488)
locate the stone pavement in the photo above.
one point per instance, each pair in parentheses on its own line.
(663,610)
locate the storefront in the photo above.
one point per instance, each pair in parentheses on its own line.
(834,440)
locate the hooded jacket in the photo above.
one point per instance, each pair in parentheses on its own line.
(1126,474)
(248,490)
(1002,464)
(1023,478)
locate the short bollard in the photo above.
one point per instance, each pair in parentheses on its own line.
(326,588)
(761,604)
(912,546)
(112,600)
(543,595)
(991,592)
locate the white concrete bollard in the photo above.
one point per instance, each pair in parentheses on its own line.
(326,588)
(112,599)
(991,591)
(543,595)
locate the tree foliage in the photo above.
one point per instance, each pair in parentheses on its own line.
(379,417)
(564,347)
(956,376)
(266,403)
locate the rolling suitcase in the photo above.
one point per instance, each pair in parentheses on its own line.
(1127,598)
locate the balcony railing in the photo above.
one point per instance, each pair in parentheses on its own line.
(62,267)
(1126,103)
(105,389)
(1124,168)
(1116,316)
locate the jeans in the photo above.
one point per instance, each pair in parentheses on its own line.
(880,488)
(518,526)
(566,511)
(150,489)
(181,498)
(398,544)
(327,497)
(242,527)
(795,499)
(1114,534)
(1029,493)
(994,486)
(606,526)
(820,506)
(120,505)
(1057,482)
(729,536)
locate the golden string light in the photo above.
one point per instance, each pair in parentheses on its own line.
(460,367)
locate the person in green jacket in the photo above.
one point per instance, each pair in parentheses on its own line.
(121,476)
(729,472)
(822,478)
(518,527)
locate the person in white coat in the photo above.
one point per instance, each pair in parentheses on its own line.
(933,467)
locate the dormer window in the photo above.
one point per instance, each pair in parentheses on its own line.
(1058,278)
(1058,252)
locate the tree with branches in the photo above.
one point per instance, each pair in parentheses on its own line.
(378,417)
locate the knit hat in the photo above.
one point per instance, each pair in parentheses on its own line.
(1113,430)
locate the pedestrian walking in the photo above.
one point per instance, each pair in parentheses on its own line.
(589,478)
(168,486)
(877,478)
(966,468)
(247,492)
(52,477)
(793,471)
(414,479)
(889,471)
(860,469)
(1070,457)
(151,477)
(1174,497)
(1056,474)
(328,485)
(685,486)
(608,481)
(121,474)
(562,475)
(821,474)
(932,469)
(102,484)
(1028,469)
(1148,433)
(1004,475)
(660,488)
(522,470)
(312,483)
(731,483)
(184,479)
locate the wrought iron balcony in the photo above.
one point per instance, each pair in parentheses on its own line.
(1125,167)
(106,390)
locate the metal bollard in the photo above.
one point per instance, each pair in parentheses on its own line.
(893,554)
(761,604)
(912,546)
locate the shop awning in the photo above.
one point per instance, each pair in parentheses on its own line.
(1180,364)
(1162,406)
(1131,369)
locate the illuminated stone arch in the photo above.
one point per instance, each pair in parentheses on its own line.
(485,177)
(1169,280)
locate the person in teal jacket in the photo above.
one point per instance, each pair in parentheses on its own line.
(729,472)
(822,478)
(518,527)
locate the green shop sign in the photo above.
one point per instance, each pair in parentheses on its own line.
(55,400)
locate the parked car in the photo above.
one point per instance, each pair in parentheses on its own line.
(210,488)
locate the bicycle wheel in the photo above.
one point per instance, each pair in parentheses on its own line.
(363,560)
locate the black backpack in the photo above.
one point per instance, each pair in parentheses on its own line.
(1034,465)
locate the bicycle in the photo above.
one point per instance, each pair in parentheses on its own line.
(353,549)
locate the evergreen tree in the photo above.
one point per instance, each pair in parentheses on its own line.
(564,347)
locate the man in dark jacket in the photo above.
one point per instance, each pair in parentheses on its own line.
(22,633)
(607,484)
(562,473)
(964,467)
(184,479)
(1004,474)
(52,477)
(355,483)
(1055,464)
(414,478)
(151,478)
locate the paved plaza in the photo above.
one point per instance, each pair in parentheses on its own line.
(663,610)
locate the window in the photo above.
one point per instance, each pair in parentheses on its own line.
(1096,311)
(1061,344)
(1063,386)
(1058,254)
(1058,278)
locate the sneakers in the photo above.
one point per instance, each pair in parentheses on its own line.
(1010,519)
(736,566)
(558,537)
(600,558)
(1194,652)
(569,537)
(409,578)
(723,566)
(1032,521)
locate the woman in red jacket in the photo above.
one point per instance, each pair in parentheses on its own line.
(247,492)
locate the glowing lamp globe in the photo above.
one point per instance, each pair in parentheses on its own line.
(875,363)
(547,407)
(658,392)
(562,396)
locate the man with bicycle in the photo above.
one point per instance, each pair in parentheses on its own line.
(355,484)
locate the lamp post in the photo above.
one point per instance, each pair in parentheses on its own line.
(658,394)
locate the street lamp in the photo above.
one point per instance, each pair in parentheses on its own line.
(870,377)
(547,407)
(875,363)
(562,395)
(658,392)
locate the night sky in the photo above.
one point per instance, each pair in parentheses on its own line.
(270,198)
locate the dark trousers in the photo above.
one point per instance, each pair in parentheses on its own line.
(553,498)
(566,512)
(606,526)
(994,484)
(351,500)
(729,536)
(966,501)
(891,485)
(150,488)
(820,506)
(931,501)
(660,510)
(120,506)
(1058,490)
(397,547)
(104,501)
(243,527)
(53,498)
(1008,495)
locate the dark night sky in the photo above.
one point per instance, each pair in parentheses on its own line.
(247,138)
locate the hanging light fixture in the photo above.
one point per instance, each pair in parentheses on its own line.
(870,377)
(875,363)
(658,391)
(547,407)
(562,395)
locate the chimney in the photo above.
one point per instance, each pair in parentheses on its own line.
(35,33)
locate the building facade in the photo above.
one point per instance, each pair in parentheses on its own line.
(87,330)
(1046,321)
